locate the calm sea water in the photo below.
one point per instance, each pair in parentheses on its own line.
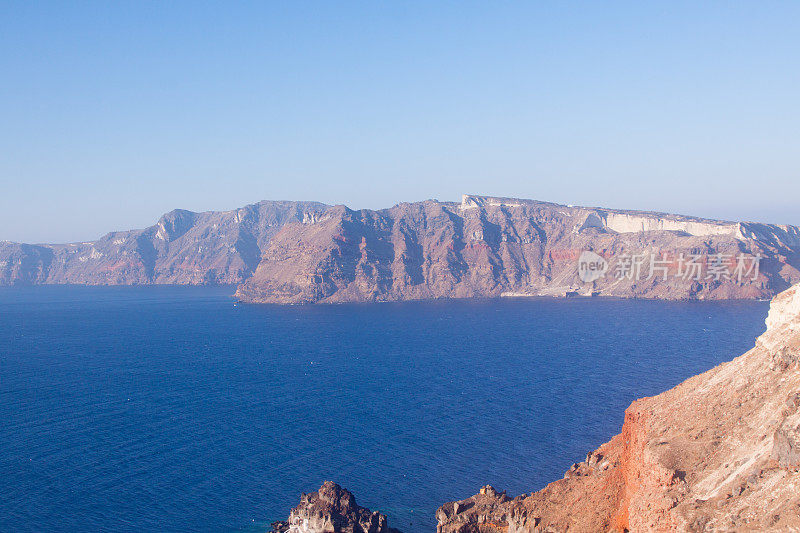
(172,409)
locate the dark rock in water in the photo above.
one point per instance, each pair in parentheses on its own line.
(280,526)
(332,509)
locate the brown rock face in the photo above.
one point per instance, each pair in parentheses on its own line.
(720,452)
(299,252)
(332,509)
(181,248)
(487,247)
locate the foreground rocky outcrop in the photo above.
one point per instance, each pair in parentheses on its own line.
(332,509)
(303,252)
(720,452)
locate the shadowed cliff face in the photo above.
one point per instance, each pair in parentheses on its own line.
(302,252)
(720,452)
(486,247)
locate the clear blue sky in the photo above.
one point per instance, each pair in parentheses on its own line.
(112,113)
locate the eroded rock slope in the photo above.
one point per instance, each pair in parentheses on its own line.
(486,247)
(720,452)
(302,252)
(183,247)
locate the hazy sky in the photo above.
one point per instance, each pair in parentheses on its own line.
(112,113)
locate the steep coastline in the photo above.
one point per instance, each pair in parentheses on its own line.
(720,452)
(182,248)
(306,252)
(489,247)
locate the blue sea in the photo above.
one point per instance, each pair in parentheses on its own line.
(175,409)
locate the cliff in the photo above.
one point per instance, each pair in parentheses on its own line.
(183,247)
(302,252)
(720,452)
(488,247)
(332,509)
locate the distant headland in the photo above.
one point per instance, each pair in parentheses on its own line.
(482,247)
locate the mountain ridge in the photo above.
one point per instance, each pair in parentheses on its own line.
(490,247)
(484,246)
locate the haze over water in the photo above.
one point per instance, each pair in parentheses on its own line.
(172,409)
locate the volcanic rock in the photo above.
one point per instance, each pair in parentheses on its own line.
(332,509)
(490,247)
(183,247)
(719,452)
(306,252)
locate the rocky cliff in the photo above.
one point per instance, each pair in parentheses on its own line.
(720,452)
(332,509)
(183,247)
(487,247)
(299,252)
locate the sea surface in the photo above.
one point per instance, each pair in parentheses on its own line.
(174,409)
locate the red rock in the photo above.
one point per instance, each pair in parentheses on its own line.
(719,452)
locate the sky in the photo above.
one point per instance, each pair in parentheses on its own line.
(112,113)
